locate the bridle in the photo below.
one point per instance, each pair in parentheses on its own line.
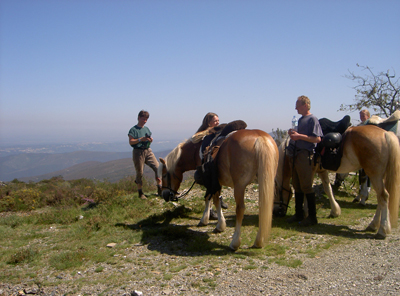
(172,196)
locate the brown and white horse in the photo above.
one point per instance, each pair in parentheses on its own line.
(243,157)
(378,153)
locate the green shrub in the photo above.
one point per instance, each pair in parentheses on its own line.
(22,256)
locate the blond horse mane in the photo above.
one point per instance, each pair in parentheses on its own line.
(172,158)
(197,137)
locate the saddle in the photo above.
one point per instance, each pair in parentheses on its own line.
(207,173)
(330,148)
(329,126)
(388,124)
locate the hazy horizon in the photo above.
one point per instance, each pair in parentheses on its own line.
(76,71)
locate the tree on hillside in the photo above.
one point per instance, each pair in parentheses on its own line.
(380,91)
(279,135)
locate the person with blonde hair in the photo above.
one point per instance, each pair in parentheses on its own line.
(364,115)
(301,151)
(363,179)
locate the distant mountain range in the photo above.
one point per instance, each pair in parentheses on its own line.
(111,166)
(35,163)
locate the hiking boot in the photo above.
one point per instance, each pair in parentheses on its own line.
(299,212)
(159,190)
(308,221)
(294,219)
(213,215)
(142,196)
(223,204)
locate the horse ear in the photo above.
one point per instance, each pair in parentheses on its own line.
(162,161)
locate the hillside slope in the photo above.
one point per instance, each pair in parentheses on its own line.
(112,171)
(33,164)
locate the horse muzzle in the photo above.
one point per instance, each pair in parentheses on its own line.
(279,211)
(168,195)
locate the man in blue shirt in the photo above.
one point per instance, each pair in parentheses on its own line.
(301,148)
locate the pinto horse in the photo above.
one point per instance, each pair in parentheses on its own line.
(243,157)
(378,153)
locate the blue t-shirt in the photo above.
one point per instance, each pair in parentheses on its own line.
(308,125)
(139,132)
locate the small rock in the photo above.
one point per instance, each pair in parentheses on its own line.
(111,245)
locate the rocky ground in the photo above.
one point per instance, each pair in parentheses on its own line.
(363,267)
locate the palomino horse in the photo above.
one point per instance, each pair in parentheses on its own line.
(388,124)
(243,157)
(378,153)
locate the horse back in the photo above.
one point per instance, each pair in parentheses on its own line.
(363,146)
(237,160)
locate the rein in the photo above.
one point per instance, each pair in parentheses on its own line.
(175,198)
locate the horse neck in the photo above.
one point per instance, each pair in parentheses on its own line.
(190,156)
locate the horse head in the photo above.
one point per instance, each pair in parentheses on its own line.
(170,181)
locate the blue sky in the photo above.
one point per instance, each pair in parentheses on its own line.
(73,71)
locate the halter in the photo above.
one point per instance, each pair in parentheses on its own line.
(173,194)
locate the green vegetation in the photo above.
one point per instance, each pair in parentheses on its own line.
(66,227)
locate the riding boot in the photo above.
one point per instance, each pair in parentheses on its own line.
(141,194)
(159,190)
(223,204)
(213,215)
(312,211)
(299,212)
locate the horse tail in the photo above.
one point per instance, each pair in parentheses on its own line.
(267,157)
(392,180)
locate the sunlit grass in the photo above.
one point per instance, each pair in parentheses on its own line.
(69,234)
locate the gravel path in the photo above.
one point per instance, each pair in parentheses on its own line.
(363,267)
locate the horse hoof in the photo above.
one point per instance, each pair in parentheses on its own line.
(201,224)
(216,230)
(355,200)
(370,229)
(256,247)
(233,249)
(379,236)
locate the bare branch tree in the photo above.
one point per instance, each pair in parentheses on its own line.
(381,92)
(279,135)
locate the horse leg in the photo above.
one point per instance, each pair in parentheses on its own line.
(335,208)
(221,225)
(363,194)
(240,207)
(385,227)
(381,217)
(206,214)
